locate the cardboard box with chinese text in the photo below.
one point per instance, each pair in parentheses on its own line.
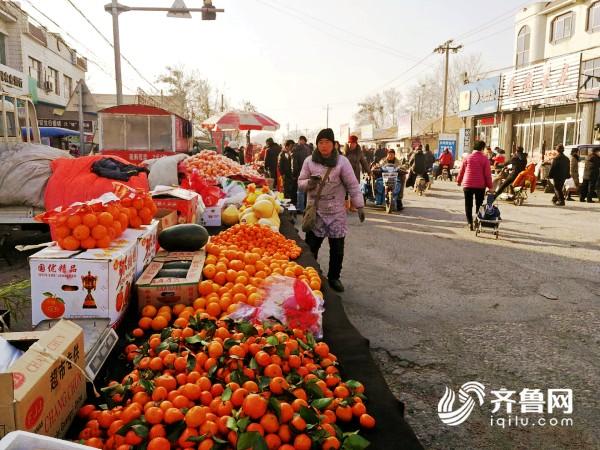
(42,390)
(176,199)
(169,291)
(147,246)
(93,283)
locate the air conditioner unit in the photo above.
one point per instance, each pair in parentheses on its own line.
(73,58)
(48,86)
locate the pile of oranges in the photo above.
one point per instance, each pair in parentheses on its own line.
(96,225)
(204,383)
(232,277)
(260,238)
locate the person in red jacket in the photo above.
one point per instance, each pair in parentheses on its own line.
(446,159)
(475,175)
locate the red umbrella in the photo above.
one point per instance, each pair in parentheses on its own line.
(240,120)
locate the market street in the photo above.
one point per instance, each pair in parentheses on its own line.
(443,307)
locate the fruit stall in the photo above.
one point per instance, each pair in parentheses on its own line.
(224,336)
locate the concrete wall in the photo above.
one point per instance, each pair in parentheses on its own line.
(531,17)
(539,19)
(52,57)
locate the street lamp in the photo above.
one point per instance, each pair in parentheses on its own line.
(178,10)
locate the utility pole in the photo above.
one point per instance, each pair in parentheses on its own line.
(222,102)
(327,121)
(80,110)
(446,48)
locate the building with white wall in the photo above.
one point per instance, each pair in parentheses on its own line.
(551,96)
(36,62)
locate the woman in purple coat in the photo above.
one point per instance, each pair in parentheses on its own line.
(331,211)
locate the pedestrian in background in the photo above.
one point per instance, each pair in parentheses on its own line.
(300,152)
(519,164)
(328,176)
(559,173)
(591,172)
(271,158)
(574,160)
(475,176)
(249,154)
(357,159)
(285,170)
(230,152)
(429,158)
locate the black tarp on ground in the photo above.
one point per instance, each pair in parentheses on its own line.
(352,349)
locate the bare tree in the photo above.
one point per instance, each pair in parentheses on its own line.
(248,106)
(424,99)
(391,106)
(371,111)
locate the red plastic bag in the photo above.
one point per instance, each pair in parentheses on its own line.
(290,301)
(210,194)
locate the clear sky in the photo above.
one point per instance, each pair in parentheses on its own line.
(290,58)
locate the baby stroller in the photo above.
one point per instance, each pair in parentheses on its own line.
(488,217)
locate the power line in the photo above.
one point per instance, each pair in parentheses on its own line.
(301,17)
(498,19)
(90,60)
(378,45)
(112,45)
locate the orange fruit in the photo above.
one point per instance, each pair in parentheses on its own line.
(70,243)
(90,220)
(62,231)
(367,421)
(149,311)
(160,322)
(88,243)
(106,219)
(73,221)
(254,406)
(99,232)
(81,232)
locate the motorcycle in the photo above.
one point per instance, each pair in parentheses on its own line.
(445,174)
(421,185)
(389,186)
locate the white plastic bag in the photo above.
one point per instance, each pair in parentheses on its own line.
(235,191)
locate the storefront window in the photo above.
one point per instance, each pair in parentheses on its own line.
(559,133)
(570,136)
(137,132)
(160,133)
(113,132)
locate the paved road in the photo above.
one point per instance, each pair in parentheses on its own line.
(443,307)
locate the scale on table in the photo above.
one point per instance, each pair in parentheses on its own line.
(99,338)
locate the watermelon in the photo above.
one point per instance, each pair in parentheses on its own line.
(186,237)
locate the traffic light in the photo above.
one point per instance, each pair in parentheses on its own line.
(209,15)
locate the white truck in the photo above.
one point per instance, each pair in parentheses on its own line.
(17,113)
(19,127)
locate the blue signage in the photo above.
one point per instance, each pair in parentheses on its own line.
(479,97)
(444,144)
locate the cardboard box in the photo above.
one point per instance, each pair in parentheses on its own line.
(176,199)
(60,274)
(170,291)
(166,218)
(42,391)
(147,245)
(212,215)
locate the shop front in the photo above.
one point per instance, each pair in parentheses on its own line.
(542,106)
(479,101)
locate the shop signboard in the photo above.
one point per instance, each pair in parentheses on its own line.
(447,140)
(464,141)
(366,132)
(479,97)
(550,83)
(404,126)
(88,125)
(344,132)
(12,80)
